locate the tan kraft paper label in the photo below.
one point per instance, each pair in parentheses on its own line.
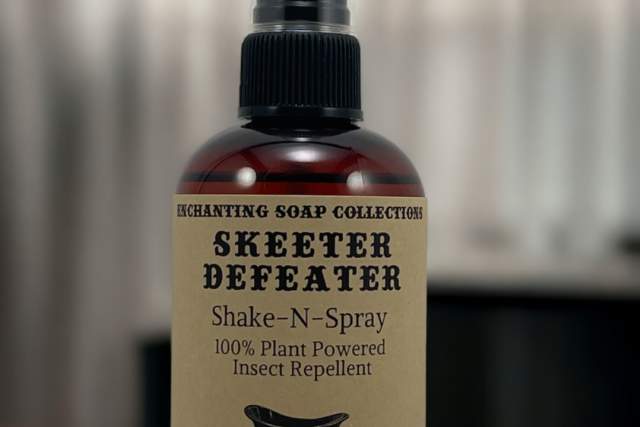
(294,308)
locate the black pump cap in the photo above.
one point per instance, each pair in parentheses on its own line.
(328,12)
(301,62)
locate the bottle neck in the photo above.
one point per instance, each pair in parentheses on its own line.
(297,124)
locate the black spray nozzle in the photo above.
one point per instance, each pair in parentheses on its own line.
(324,12)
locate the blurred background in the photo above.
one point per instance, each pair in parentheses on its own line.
(521,116)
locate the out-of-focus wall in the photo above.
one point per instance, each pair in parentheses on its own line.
(519,114)
(522,126)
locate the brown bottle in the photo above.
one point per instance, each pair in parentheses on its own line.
(300,254)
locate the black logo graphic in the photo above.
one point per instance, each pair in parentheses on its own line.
(263,417)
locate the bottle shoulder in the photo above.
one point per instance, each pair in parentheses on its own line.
(332,160)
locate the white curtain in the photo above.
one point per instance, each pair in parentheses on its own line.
(521,116)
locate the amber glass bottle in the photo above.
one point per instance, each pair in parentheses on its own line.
(299,246)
